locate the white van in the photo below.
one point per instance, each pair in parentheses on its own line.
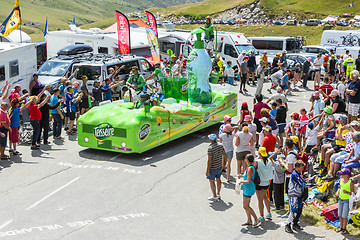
(17,63)
(353,51)
(275,45)
(338,37)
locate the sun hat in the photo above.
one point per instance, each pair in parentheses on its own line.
(345,171)
(247,118)
(212,137)
(267,128)
(227,118)
(263,119)
(334,93)
(328,110)
(262,151)
(343,117)
(295,139)
(227,128)
(316,94)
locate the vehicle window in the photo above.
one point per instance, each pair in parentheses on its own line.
(128,66)
(302,59)
(230,51)
(313,50)
(291,57)
(292,44)
(91,72)
(166,45)
(103,50)
(53,68)
(220,44)
(78,43)
(2,73)
(186,50)
(268,45)
(14,68)
(247,48)
(145,65)
(323,51)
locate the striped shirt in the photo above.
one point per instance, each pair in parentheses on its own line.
(216,151)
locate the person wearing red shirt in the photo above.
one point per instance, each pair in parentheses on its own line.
(16,94)
(4,128)
(257,116)
(269,141)
(35,116)
(325,64)
(326,89)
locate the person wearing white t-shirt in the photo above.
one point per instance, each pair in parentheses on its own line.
(252,130)
(244,140)
(227,140)
(291,158)
(317,65)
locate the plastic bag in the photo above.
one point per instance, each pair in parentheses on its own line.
(351,201)
(238,186)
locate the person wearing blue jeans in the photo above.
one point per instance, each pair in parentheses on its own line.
(353,160)
(57,114)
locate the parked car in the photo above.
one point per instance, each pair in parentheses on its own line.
(291,22)
(232,22)
(356,24)
(279,22)
(343,24)
(316,49)
(301,58)
(312,22)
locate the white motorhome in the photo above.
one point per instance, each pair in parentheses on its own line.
(338,37)
(275,45)
(17,63)
(353,51)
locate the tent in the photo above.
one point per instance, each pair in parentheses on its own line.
(357,17)
(330,18)
(134,23)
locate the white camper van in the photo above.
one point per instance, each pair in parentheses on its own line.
(338,37)
(17,63)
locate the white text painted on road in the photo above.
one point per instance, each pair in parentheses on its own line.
(75,224)
(87,166)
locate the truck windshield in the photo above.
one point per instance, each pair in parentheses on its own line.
(91,72)
(53,68)
(292,45)
(246,47)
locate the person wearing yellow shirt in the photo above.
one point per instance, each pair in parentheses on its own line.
(264,58)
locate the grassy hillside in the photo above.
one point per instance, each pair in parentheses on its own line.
(303,8)
(313,34)
(60,12)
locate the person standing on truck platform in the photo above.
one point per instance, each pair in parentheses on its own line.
(136,80)
(84,104)
(35,85)
(209,36)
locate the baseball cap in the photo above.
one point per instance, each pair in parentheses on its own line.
(316,86)
(295,139)
(271,153)
(243,51)
(262,151)
(244,104)
(63,79)
(345,171)
(227,118)
(295,115)
(180,55)
(263,119)
(227,128)
(343,117)
(246,58)
(212,137)
(247,118)
(328,110)
(311,125)
(334,93)
(142,94)
(267,128)
(316,94)
(354,123)
(278,54)
(173,56)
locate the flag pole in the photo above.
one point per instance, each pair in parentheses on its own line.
(20,34)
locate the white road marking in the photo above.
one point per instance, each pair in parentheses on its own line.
(113,158)
(57,190)
(5,224)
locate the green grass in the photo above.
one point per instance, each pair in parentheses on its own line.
(313,34)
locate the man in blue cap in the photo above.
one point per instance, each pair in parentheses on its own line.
(140,103)
(214,166)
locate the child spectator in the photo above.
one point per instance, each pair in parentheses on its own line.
(278,181)
(344,191)
(311,136)
(244,112)
(273,109)
(229,73)
(70,108)
(215,74)
(14,115)
(107,89)
(303,117)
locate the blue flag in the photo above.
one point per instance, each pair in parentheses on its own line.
(46,28)
(73,23)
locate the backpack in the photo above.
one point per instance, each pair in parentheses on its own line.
(331,212)
(256,177)
(305,193)
(304,157)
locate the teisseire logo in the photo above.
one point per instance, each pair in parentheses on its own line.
(184,87)
(103,131)
(207,116)
(144,131)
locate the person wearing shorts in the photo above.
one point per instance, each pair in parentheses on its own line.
(346,188)
(243,141)
(4,128)
(215,154)
(71,108)
(353,92)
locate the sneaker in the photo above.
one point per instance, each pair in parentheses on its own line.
(328,177)
(296,89)
(11,150)
(257,145)
(262,219)
(66,128)
(46,143)
(245,90)
(318,167)
(296,227)
(306,88)
(60,138)
(288,228)
(286,215)
(268,216)
(241,92)
(323,172)
(213,198)
(282,208)
(34,147)
(218,196)
(16,152)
